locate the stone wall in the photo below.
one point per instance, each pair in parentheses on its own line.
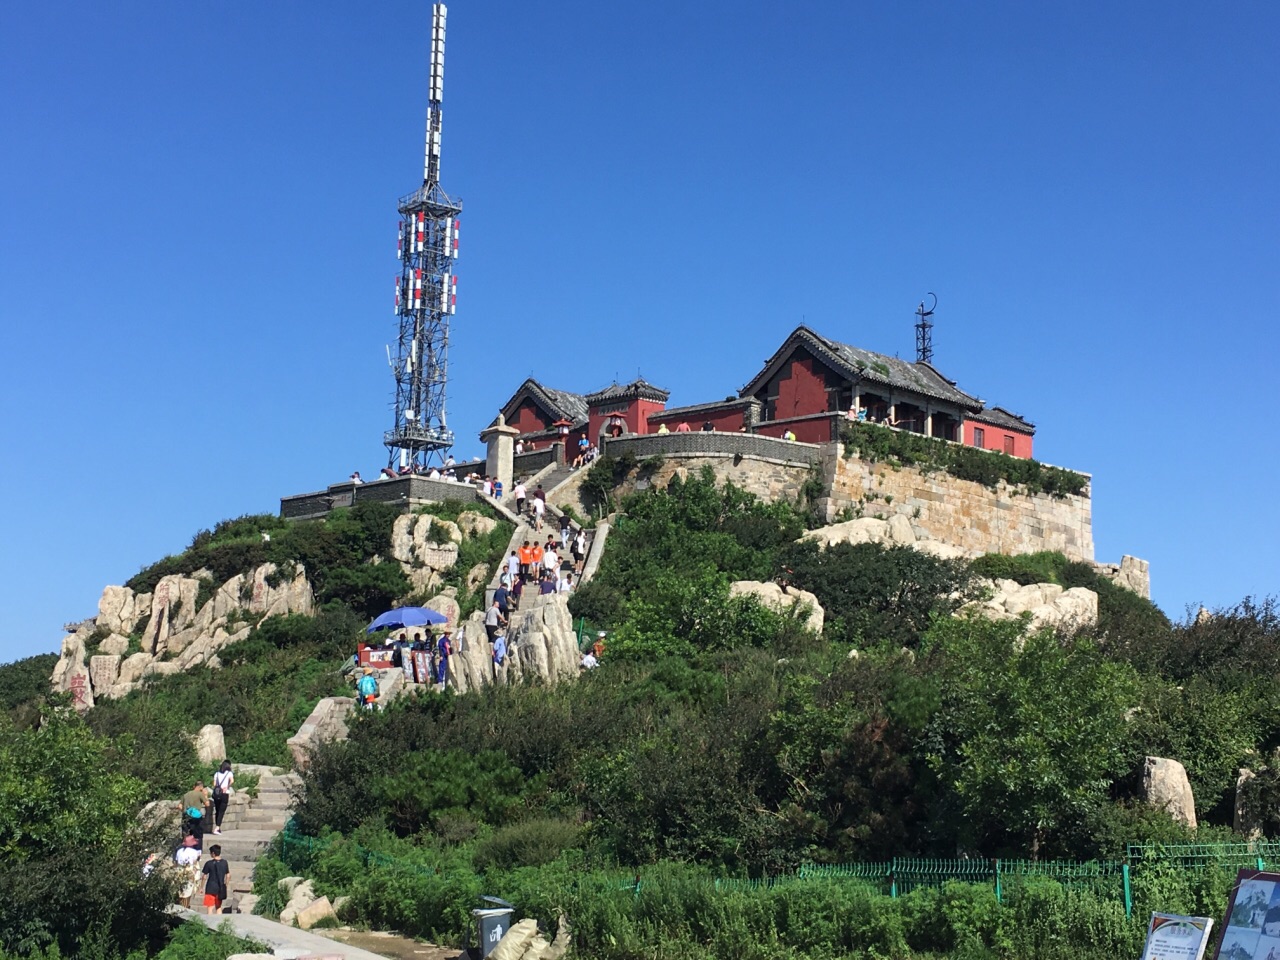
(963,513)
(766,477)
(699,444)
(405,490)
(528,463)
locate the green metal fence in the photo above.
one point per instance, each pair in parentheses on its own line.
(901,875)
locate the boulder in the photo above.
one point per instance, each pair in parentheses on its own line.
(118,690)
(172,609)
(448,605)
(314,912)
(900,530)
(116,610)
(161,668)
(781,598)
(471,665)
(941,550)
(210,745)
(1165,785)
(424,579)
(476,525)
(439,556)
(862,530)
(71,673)
(541,640)
(104,669)
(1246,821)
(1046,604)
(477,577)
(290,594)
(301,896)
(289,884)
(115,645)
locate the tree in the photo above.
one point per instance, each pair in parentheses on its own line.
(1031,732)
(71,843)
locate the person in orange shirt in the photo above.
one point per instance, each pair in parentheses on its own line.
(526,559)
(535,561)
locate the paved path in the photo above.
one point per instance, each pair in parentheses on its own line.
(288,943)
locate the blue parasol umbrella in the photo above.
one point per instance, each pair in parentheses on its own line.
(406,617)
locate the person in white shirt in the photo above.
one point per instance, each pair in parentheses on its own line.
(539,508)
(589,661)
(355,477)
(550,561)
(565,584)
(521,494)
(513,566)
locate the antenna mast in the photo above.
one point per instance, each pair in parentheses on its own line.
(924,331)
(426,291)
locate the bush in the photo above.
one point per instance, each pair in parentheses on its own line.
(529,844)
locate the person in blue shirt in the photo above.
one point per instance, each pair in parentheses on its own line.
(367,689)
(444,648)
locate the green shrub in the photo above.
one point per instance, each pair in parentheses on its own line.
(528,844)
(873,443)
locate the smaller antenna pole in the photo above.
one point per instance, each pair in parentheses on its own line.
(924,331)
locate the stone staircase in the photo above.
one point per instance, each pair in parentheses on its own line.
(247,831)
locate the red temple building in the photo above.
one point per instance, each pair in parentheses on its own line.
(805,389)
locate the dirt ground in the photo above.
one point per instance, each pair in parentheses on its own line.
(392,945)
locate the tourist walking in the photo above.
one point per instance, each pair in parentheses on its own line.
(216,874)
(187,859)
(493,619)
(539,508)
(566,530)
(367,689)
(192,805)
(222,781)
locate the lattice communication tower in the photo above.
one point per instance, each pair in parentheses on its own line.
(426,292)
(924,332)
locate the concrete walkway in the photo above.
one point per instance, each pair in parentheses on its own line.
(287,943)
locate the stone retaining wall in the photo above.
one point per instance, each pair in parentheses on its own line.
(959,512)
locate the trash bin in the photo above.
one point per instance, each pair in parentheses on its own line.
(492,923)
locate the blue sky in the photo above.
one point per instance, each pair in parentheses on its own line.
(198,244)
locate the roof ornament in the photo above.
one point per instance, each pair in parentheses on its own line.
(924,331)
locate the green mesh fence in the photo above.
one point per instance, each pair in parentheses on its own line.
(892,878)
(1256,854)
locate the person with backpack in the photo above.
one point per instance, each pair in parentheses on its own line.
(367,689)
(192,806)
(222,781)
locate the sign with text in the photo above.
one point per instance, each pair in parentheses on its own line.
(1171,936)
(1251,930)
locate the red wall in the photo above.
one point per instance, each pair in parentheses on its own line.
(994,438)
(529,419)
(635,417)
(725,420)
(802,389)
(815,429)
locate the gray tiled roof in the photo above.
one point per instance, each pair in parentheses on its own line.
(561,404)
(1000,417)
(856,363)
(636,388)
